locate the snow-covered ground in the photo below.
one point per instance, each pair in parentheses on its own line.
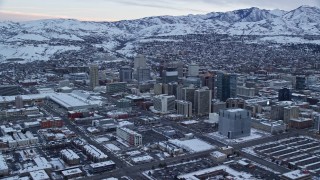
(255,134)
(32,52)
(285,40)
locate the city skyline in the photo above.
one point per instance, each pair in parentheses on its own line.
(112,10)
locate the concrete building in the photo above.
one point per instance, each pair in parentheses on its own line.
(234,123)
(193,69)
(94,76)
(300,82)
(140,61)
(70,157)
(291,112)
(39,175)
(72,173)
(102,166)
(117,87)
(202,101)
(142,74)
(9,90)
(277,111)
(226,86)
(125,74)
(235,103)
(157,88)
(94,154)
(64,83)
(4,169)
(184,108)
(284,94)
(217,105)
(187,94)
(245,92)
(19,102)
(208,80)
(164,103)
(170,74)
(130,136)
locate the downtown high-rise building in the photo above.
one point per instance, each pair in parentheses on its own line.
(125,74)
(140,61)
(187,93)
(208,80)
(226,86)
(94,76)
(202,101)
(193,69)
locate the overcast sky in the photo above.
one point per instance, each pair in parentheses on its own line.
(113,10)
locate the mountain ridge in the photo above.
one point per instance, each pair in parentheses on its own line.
(58,35)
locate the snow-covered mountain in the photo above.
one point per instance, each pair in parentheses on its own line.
(39,40)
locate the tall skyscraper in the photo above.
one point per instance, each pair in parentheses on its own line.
(169,75)
(142,74)
(94,76)
(188,94)
(19,102)
(164,103)
(125,74)
(226,86)
(300,82)
(208,80)
(284,94)
(140,62)
(202,101)
(184,108)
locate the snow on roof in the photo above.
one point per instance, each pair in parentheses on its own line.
(235,110)
(3,163)
(297,174)
(101,164)
(125,123)
(189,122)
(42,162)
(192,145)
(218,154)
(94,151)
(67,100)
(39,175)
(142,158)
(232,172)
(71,172)
(133,153)
(112,147)
(69,154)
(130,131)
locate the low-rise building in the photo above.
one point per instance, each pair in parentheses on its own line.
(4,169)
(130,136)
(102,166)
(70,157)
(39,175)
(72,173)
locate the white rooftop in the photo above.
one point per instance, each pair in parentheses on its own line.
(102,164)
(71,172)
(39,175)
(297,174)
(192,145)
